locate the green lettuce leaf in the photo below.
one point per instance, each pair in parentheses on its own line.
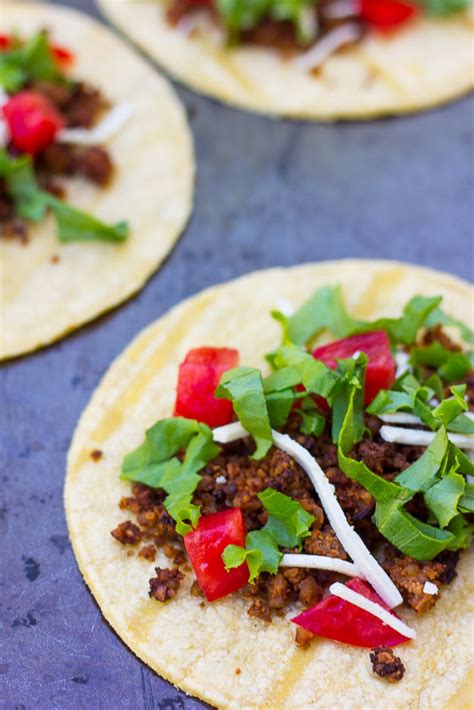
(421,474)
(404,330)
(347,402)
(287,526)
(28,62)
(451,366)
(414,538)
(32,203)
(437,315)
(466,501)
(243,386)
(324,310)
(444,7)
(154,463)
(442,499)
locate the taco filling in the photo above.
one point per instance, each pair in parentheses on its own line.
(51,127)
(330,491)
(312,29)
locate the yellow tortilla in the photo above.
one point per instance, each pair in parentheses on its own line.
(200,649)
(152,189)
(423,64)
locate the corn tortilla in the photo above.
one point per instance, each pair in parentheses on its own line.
(152,189)
(421,65)
(200,649)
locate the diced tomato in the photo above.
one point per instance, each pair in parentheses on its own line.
(32,120)
(386,15)
(5,42)
(199,375)
(62,55)
(380,373)
(339,620)
(205,546)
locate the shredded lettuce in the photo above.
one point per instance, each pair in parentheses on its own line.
(241,15)
(27,62)
(324,310)
(155,464)
(243,386)
(32,203)
(287,526)
(444,7)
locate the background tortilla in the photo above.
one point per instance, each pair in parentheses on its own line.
(200,649)
(41,301)
(424,64)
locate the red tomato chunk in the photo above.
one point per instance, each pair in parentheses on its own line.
(339,620)
(380,373)
(205,546)
(32,121)
(199,376)
(386,15)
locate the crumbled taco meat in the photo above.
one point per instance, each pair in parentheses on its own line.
(148,552)
(96,454)
(303,638)
(174,553)
(165,584)
(127,533)
(410,575)
(281,35)
(436,334)
(386,664)
(233,479)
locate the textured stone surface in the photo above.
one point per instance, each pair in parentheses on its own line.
(268,193)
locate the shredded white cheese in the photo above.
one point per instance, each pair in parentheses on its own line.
(113,122)
(407,418)
(339,9)
(221,479)
(327,45)
(418,437)
(332,564)
(350,540)
(430,588)
(349,595)
(4,132)
(200,21)
(402,360)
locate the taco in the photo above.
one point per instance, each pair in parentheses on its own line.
(317,59)
(301,496)
(96,173)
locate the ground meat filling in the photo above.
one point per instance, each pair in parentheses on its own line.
(281,35)
(233,479)
(387,665)
(165,584)
(81,106)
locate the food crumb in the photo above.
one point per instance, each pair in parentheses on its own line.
(303,637)
(127,533)
(96,454)
(55,259)
(148,552)
(237,671)
(386,664)
(129,553)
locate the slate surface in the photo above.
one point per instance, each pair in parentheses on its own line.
(268,193)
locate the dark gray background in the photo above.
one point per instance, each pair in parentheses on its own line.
(268,193)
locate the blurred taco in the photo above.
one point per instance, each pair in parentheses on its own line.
(239,483)
(320,59)
(96,173)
